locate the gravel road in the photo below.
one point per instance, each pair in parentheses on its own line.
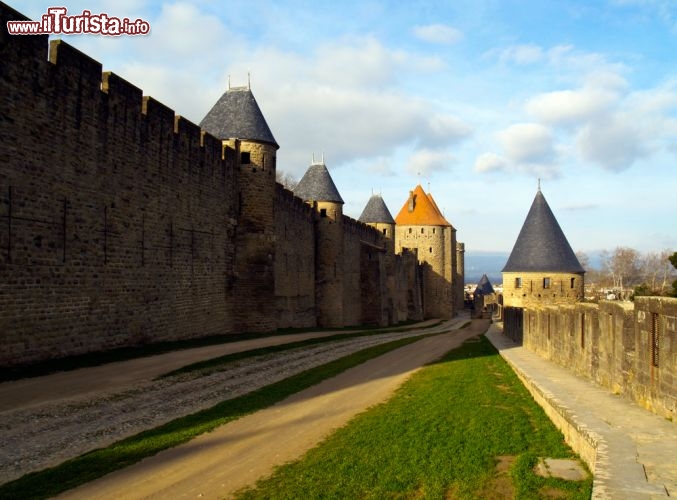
(45,434)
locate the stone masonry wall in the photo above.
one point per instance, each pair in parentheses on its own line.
(631,350)
(116,215)
(563,288)
(294,261)
(122,224)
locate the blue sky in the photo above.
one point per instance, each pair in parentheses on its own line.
(474,100)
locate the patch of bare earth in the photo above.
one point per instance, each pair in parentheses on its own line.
(500,486)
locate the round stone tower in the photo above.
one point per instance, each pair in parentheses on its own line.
(377,215)
(317,188)
(542,268)
(420,226)
(237,120)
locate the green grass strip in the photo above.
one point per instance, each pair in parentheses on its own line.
(212,365)
(440,436)
(133,352)
(97,463)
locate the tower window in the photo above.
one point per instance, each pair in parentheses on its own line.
(245,158)
(546,282)
(431,249)
(323,212)
(573,282)
(385,232)
(433,230)
(518,282)
(409,230)
(422,230)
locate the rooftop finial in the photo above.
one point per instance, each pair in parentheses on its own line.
(539,184)
(323,158)
(228,82)
(249,81)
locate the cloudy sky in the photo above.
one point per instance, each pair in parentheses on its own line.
(474,100)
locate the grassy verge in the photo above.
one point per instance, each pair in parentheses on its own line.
(126,353)
(212,365)
(97,463)
(445,434)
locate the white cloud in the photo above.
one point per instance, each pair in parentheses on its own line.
(519,54)
(438,33)
(490,162)
(614,142)
(427,161)
(570,107)
(527,143)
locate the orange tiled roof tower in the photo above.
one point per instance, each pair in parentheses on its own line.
(421,227)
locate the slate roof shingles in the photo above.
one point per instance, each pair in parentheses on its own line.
(541,245)
(317,185)
(236,115)
(376,211)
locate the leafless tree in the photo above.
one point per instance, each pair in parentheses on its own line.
(623,266)
(656,270)
(287,180)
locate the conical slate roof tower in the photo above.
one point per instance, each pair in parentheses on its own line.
(484,286)
(542,268)
(376,212)
(317,185)
(236,115)
(541,245)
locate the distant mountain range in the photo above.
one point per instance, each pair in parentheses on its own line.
(489,263)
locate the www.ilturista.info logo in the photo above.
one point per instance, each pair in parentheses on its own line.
(57,22)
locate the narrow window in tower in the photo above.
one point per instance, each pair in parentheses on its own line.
(433,230)
(323,212)
(431,249)
(245,158)
(573,282)
(546,282)
(421,230)
(518,282)
(385,232)
(409,230)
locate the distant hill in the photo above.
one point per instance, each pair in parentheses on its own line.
(489,263)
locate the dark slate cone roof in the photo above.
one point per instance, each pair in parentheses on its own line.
(484,286)
(317,185)
(236,115)
(376,211)
(541,244)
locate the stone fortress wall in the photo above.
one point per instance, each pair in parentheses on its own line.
(629,348)
(123,224)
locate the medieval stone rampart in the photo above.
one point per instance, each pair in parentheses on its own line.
(629,349)
(115,214)
(123,224)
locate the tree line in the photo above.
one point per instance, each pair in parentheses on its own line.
(629,272)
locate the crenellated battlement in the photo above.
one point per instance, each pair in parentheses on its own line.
(123,223)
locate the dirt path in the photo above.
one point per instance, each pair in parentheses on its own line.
(235,455)
(125,374)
